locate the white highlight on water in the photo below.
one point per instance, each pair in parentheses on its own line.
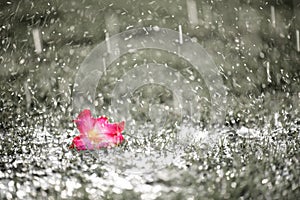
(276,120)
(36,33)
(268,72)
(298,40)
(180,34)
(107,42)
(104,64)
(273,16)
(192,12)
(27,95)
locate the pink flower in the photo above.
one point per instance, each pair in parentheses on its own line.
(96,133)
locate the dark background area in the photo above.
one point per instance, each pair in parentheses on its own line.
(238,34)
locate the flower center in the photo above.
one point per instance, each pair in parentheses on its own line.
(94,136)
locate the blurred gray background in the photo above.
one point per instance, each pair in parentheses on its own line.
(43,43)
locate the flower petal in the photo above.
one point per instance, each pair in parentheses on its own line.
(78,144)
(96,133)
(113,132)
(118,139)
(85,122)
(102,120)
(111,129)
(82,143)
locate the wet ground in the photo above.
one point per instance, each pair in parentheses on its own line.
(228,163)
